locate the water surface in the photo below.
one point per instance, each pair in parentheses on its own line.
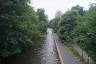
(40,53)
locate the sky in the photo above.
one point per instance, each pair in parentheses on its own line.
(52,6)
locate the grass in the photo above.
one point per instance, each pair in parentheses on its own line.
(74,52)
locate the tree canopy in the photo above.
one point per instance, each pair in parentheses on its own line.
(79,24)
(19,26)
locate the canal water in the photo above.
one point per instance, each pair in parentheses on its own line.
(41,53)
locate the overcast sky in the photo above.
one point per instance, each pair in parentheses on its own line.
(52,6)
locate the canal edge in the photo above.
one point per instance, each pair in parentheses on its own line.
(61,60)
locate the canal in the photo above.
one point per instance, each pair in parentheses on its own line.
(41,53)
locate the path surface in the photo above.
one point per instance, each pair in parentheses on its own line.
(66,56)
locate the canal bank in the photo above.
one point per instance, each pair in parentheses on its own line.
(43,52)
(64,54)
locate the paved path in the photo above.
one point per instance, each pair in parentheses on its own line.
(65,56)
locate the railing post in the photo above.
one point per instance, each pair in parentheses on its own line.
(82,55)
(88,59)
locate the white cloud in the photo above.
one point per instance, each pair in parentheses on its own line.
(51,6)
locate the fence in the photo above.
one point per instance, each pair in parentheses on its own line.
(84,55)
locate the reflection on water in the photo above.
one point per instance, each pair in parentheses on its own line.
(48,53)
(41,53)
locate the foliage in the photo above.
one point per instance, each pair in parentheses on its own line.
(81,25)
(43,20)
(19,26)
(85,32)
(67,22)
(54,23)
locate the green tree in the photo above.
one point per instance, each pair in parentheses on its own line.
(85,32)
(69,21)
(54,23)
(18,26)
(43,20)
